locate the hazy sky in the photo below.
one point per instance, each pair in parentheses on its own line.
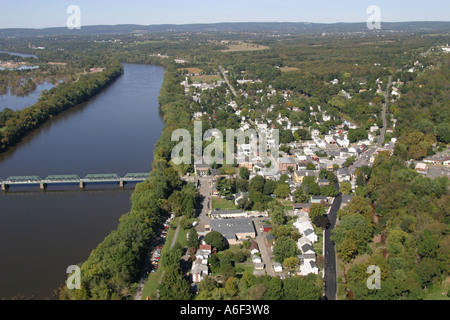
(52,13)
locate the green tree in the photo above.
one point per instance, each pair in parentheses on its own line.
(283,248)
(217,240)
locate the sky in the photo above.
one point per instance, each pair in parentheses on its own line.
(53,13)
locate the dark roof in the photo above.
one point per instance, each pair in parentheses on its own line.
(307,232)
(270,237)
(229,227)
(306,247)
(302,205)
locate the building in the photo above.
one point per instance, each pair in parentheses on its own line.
(277,267)
(302,207)
(202,170)
(285,163)
(234,230)
(318,199)
(421,168)
(199,270)
(254,248)
(219,214)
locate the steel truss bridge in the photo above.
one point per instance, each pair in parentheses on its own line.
(73,179)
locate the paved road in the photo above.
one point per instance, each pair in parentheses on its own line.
(330,253)
(227,82)
(205,190)
(383,113)
(265,255)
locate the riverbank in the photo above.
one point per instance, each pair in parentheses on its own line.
(60,98)
(113,132)
(114,267)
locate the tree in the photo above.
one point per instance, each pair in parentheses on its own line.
(315,210)
(321,221)
(291,262)
(284,248)
(300,196)
(282,190)
(443,132)
(192,239)
(244,203)
(244,173)
(217,240)
(346,188)
(310,166)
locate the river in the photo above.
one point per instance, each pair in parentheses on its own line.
(42,233)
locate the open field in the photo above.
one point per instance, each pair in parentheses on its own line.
(223,204)
(244,46)
(191,70)
(289,69)
(206,78)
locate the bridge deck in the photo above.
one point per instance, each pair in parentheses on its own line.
(73,178)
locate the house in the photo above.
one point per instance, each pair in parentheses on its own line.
(199,270)
(323,182)
(310,235)
(300,174)
(259,266)
(277,267)
(306,229)
(330,139)
(234,230)
(256,259)
(343,174)
(305,246)
(318,199)
(342,142)
(309,267)
(254,248)
(421,168)
(285,163)
(267,228)
(202,170)
(320,143)
(346,198)
(302,207)
(269,239)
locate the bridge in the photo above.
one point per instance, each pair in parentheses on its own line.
(72,179)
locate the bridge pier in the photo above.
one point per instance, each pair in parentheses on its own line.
(82,185)
(122,183)
(43,186)
(5,187)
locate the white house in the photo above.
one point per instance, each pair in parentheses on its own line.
(343,141)
(277,267)
(308,266)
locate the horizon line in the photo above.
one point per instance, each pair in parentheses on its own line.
(225,22)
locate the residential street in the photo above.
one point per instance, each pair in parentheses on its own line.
(330,253)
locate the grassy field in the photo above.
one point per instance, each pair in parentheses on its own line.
(206,78)
(191,70)
(436,292)
(223,204)
(289,69)
(243,46)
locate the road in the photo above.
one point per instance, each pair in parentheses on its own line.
(265,255)
(383,112)
(203,208)
(330,252)
(227,82)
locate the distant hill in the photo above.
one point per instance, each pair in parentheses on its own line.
(257,27)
